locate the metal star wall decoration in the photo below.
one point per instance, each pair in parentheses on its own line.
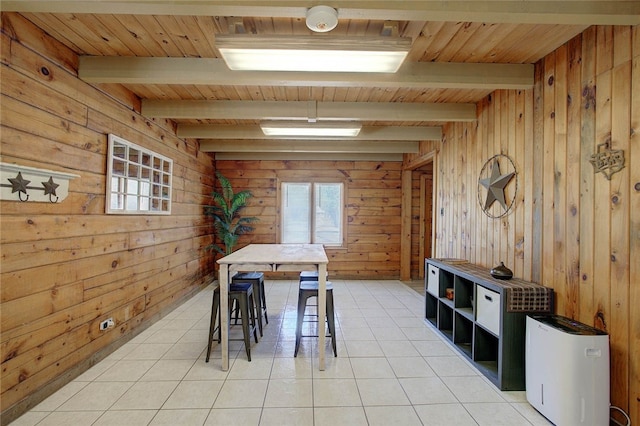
(19,184)
(50,189)
(50,186)
(495,185)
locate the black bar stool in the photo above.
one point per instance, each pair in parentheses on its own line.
(242,293)
(308,276)
(257,280)
(307,290)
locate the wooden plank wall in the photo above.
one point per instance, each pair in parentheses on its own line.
(421,210)
(68,266)
(572,230)
(374,195)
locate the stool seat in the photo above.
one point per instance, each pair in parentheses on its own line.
(234,287)
(306,290)
(310,276)
(242,295)
(257,280)
(313,285)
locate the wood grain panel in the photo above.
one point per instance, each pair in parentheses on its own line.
(574,230)
(373,203)
(634,224)
(67,266)
(620,220)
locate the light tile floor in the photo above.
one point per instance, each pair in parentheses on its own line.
(391,368)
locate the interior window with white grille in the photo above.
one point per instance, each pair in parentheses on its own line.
(138,180)
(312,213)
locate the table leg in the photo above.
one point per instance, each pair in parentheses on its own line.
(322,313)
(224,315)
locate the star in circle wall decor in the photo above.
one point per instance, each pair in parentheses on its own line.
(495,184)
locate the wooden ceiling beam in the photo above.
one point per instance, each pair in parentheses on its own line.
(211,71)
(298,110)
(367,133)
(305,156)
(584,12)
(310,146)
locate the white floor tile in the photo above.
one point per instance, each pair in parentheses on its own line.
(194,394)
(291,368)
(385,416)
(145,396)
(66,418)
(335,393)
(340,416)
(126,371)
(242,394)
(125,417)
(370,368)
(411,367)
(30,418)
(364,348)
(445,415)
(148,351)
(96,396)
(234,417)
(427,390)
(392,368)
(60,397)
(289,393)
(168,370)
(450,366)
(381,392)
(400,348)
(472,389)
(495,414)
(286,417)
(191,417)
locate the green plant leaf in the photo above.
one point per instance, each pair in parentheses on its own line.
(228,222)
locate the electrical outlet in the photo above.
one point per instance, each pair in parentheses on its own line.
(108,323)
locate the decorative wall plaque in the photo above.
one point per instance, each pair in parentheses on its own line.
(22,183)
(606,160)
(493,184)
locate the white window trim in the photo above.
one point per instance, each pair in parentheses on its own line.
(164,171)
(313,182)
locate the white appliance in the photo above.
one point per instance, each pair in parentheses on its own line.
(567,370)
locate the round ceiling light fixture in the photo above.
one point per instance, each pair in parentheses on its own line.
(322,18)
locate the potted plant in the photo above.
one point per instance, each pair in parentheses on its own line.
(226,213)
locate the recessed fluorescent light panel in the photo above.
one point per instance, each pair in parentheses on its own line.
(320,53)
(304,129)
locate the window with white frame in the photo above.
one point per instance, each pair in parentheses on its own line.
(312,212)
(138,180)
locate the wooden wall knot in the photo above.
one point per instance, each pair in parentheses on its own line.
(589,95)
(599,321)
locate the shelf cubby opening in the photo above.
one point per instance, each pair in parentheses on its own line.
(446,281)
(431,309)
(445,320)
(463,292)
(463,334)
(485,350)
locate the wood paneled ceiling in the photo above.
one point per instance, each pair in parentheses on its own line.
(165,53)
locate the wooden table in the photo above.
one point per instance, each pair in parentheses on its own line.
(273,258)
